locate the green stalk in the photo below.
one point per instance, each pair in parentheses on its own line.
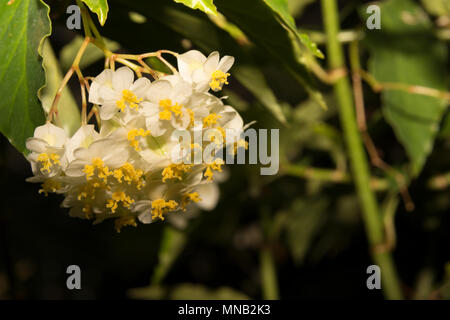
(358,159)
(268,271)
(268,274)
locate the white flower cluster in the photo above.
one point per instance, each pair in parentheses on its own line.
(126,169)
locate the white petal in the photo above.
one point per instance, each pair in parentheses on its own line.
(107,111)
(107,94)
(159,90)
(226,63)
(140,87)
(145,217)
(209,195)
(103,79)
(75,168)
(122,79)
(53,135)
(150,109)
(212,62)
(84,136)
(182,122)
(36,145)
(190,61)
(156,127)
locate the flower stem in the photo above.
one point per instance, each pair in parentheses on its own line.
(358,159)
(269,280)
(268,274)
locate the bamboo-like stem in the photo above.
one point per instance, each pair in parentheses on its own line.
(268,272)
(269,279)
(358,159)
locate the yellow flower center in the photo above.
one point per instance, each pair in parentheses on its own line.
(130,99)
(188,198)
(221,138)
(124,221)
(97,168)
(130,175)
(167,108)
(47,161)
(49,185)
(133,134)
(218,79)
(216,165)
(88,190)
(239,144)
(161,206)
(210,120)
(117,198)
(191,118)
(175,171)
(87,210)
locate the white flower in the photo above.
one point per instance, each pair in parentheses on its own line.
(204,72)
(101,154)
(47,150)
(83,138)
(165,107)
(136,167)
(116,91)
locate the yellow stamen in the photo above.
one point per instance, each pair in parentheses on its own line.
(216,165)
(89,189)
(47,161)
(218,79)
(49,185)
(167,108)
(133,134)
(240,144)
(117,198)
(161,206)
(175,171)
(189,197)
(130,175)
(210,120)
(130,99)
(121,222)
(87,210)
(191,118)
(98,167)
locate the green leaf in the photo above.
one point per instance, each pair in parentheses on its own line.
(296,7)
(398,55)
(258,20)
(25,23)
(281,8)
(207,6)
(304,221)
(190,291)
(253,79)
(437,7)
(173,242)
(99,7)
(186,291)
